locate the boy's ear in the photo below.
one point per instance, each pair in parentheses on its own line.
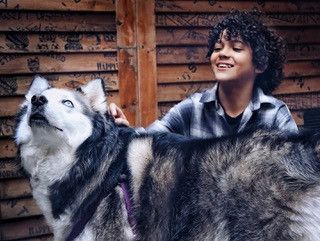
(95,92)
(38,85)
(260,70)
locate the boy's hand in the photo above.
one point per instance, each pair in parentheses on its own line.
(118,115)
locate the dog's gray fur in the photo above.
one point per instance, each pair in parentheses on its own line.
(255,186)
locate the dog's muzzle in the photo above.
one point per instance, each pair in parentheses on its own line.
(37,117)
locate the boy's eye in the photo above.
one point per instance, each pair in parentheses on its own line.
(68,103)
(237,49)
(217,48)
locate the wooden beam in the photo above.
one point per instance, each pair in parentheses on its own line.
(127,58)
(147,67)
(136,60)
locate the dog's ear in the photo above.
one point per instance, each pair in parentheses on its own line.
(38,85)
(96,94)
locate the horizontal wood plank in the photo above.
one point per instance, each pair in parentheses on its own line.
(209,19)
(199,36)
(197,54)
(18,208)
(226,6)
(10,168)
(299,85)
(7,148)
(301,101)
(58,5)
(177,92)
(24,229)
(7,126)
(9,106)
(52,63)
(180,73)
(56,21)
(19,85)
(21,42)
(41,238)
(15,188)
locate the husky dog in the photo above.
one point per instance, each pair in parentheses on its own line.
(94,180)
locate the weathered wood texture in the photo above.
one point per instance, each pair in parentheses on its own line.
(69,43)
(150,54)
(182,33)
(137,60)
(57,5)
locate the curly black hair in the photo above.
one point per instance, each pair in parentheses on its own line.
(268,48)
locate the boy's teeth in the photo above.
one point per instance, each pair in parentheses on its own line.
(224,66)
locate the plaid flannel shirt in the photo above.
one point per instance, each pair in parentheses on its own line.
(201,115)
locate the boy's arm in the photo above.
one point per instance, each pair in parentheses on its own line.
(177,120)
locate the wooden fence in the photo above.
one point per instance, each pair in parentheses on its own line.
(150,54)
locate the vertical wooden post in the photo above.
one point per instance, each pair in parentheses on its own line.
(137,60)
(147,66)
(127,57)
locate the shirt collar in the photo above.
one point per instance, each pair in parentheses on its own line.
(210,95)
(258,98)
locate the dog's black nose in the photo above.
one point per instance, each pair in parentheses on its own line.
(38,100)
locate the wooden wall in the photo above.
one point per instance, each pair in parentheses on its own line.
(182,28)
(68,42)
(151,54)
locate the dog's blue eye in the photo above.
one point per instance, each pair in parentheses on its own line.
(68,103)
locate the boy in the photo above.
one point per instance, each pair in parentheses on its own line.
(247,61)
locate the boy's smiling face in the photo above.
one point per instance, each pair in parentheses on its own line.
(231,60)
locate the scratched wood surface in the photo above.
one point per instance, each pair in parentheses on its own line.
(45,21)
(58,5)
(199,36)
(71,42)
(169,19)
(19,84)
(225,6)
(31,227)
(25,42)
(197,54)
(182,32)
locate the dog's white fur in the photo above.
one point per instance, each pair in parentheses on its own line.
(55,145)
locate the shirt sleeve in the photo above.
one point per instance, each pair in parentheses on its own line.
(284,120)
(177,120)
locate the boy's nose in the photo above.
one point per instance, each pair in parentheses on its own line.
(224,53)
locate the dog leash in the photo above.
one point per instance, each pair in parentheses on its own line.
(128,203)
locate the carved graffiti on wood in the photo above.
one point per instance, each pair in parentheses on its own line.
(73,42)
(106,66)
(17,41)
(8,85)
(7,58)
(33,64)
(47,42)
